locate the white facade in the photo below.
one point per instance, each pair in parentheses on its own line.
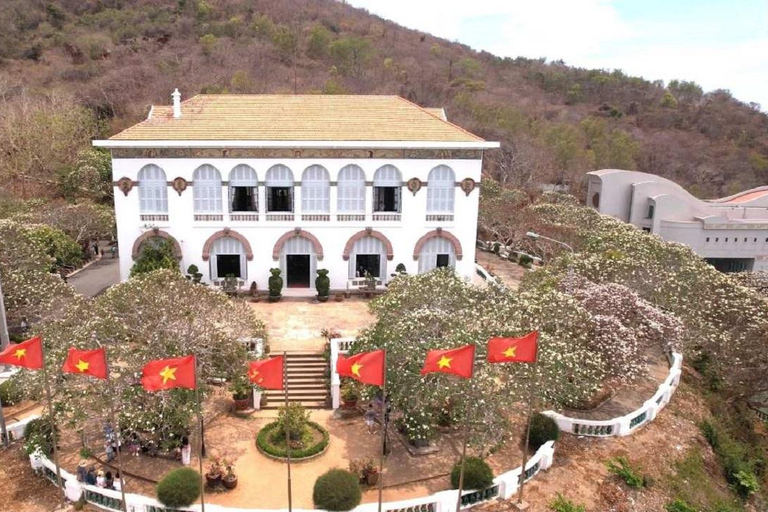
(731,233)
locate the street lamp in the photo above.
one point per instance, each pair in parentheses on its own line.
(536,236)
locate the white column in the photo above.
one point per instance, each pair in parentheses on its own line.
(262,203)
(297,201)
(334,200)
(368,202)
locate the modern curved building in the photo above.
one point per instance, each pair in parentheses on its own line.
(240,184)
(731,233)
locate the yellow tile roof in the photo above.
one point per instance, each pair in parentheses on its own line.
(296,118)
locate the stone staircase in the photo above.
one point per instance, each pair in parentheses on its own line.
(306,381)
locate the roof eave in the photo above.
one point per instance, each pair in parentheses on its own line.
(122,143)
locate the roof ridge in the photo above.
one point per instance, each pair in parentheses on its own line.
(439,119)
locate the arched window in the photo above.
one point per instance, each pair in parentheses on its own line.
(207,189)
(441,190)
(436,252)
(243,189)
(279,184)
(369,254)
(153,190)
(351,190)
(228,258)
(315,190)
(387,185)
(298,260)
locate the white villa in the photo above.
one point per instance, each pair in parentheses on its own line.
(731,233)
(244,183)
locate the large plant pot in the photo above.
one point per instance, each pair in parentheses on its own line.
(241,404)
(322,298)
(275,298)
(229,482)
(349,404)
(372,478)
(212,480)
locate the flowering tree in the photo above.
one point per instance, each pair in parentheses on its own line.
(152,316)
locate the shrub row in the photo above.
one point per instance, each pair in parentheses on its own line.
(264,435)
(740,467)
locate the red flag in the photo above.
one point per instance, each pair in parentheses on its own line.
(367,367)
(162,374)
(86,362)
(267,373)
(513,350)
(27,354)
(457,361)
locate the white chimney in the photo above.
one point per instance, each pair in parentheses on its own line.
(176,103)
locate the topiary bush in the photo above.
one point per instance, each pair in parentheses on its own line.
(179,488)
(323,283)
(337,490)
(275,283)
(10,392)
(477,474)
(543,429)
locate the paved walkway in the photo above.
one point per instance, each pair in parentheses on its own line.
(98,276)
(510,273)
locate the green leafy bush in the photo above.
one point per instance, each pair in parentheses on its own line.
(524,260)
(337,490)
(266,445)
(543,429)
(275,282)
(10,392)
(477,474)
(679,506)
(56,244)
(621,467)
(323,283)
(38,435)
(562,504)
(740,464)
(179,488)
(155,256)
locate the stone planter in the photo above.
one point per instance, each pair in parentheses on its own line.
(322,298)
(275,298)
(213,480)
(242,404)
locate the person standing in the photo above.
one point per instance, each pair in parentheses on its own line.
(186,451)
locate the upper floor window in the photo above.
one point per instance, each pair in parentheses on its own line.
(279,184)
(351,190)
(651,208)
(243,189)
(153,190)
(387,186)
(206,187)
(441,190)
(315,190)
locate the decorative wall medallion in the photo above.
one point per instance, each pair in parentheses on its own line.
(414,185)
(125,185)
(179,185)
(467,185)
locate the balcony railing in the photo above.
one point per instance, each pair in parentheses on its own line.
(350,217)
(244,217)
(440,217)
(209,217)
(154,217)
(394,217)
(279,217)
(316,217)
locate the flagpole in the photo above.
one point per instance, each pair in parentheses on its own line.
(287,429)
(52,419)
(466,440)
(531,391)
(4,342)
(116,430)
(383,430)
(200,427)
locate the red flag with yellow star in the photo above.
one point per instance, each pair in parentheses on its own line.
(458,361)
(163,374)
(367,367)
(86,362)
(513,350)
(267,373)
(27,354)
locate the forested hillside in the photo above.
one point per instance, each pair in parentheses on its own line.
(71,70)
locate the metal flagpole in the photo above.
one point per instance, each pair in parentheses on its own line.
(383,429)
(531,392)
(118,437)
(464,448)
(4,342)
(287,429)
(200,427)
(53,424)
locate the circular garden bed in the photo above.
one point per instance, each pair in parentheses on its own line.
(313,442)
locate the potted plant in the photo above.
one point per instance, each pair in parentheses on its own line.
(366,470)
(339,297)
(348,293)
(229,480)
(242,393)
(323,285)
(230,284)
(349,395)
(254,291)
(275,285)
(370,285)
(214,473)
(194,274)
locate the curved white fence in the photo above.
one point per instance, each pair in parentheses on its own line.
(504,486)
(625,425)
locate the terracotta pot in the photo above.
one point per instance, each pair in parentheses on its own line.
(275,298)
(322,298)
(349,404)
(243,404)
(230,482)
(213,480)
(371,477)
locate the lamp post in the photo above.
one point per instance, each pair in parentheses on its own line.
(536,236)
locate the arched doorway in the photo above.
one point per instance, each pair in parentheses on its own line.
(228,257)
(298,261)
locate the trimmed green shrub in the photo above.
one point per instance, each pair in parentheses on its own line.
(296,417)
(679,506)
(10,392)
(524,260)
(264,442)
(323,283)
(543,429)
(275,282)
(38,434)
(179,488)
(337,490)
(562,504)
(477,474)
